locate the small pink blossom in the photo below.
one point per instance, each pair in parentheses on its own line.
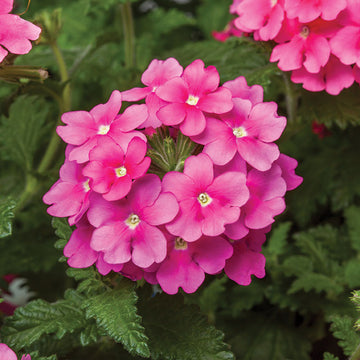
(246,129)
(112,170)
(206,203)
(187,262)
(288,166)
(7,354)
(83,128)
(196,92)
(128,229)
(240,89)
(309,10)
(69,196)
(229,31)
(15,32)
(262,16)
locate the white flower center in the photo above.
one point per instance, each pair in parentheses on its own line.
(86,185)
(239,132)
(273,2)
(154,89)
(103,129)
(204,199)
(180,244)
(192,100)
(120,171)
(305,31)
(132,221)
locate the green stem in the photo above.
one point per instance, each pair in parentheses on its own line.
(291,99)
(129,35)
(30,189)
(356,354)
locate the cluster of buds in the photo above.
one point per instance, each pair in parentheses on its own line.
(317,40)
(183,185)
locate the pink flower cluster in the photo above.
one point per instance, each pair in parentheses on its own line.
(318,40)
(7,354)
(213,216)
(15,32)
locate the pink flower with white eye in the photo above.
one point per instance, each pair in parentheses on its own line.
(157,73)
(262,16)
(112,170)
(83,129)
(304,44)
(7,354)
(187,262)
(333,77)
(196,92)
(309,10)
(128,229)
(246,129)
(247,259)
(15,32)
(206,203)
(69,196)
(240,89)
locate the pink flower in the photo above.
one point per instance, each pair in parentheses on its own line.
(288,166)
(187,262)
(333,77)
(157,73)
(262,16)
(229,31)
(7,354)
(128,229)
(304,44)
(15,33)
(240,89)
(69,196)
(190,96)
(247,260)
(309,10)
(112,170)
(84,128)
(206,203)
(246,129)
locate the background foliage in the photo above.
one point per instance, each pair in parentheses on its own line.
(301,310)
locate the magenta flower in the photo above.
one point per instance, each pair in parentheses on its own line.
(157,74)
(206,203)
(128,229)
(309,10)
(240,89)
(247,260)
(112,171)
(187,262)
(7,354)
(69,196)
(246,129)
(84,128)
(190,96)
(288,166)
(229,31)
(262,16)
(304,44)
(15,32)
(333,77)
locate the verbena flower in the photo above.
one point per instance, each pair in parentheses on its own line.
(7,354)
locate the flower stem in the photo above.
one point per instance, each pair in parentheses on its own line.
(291,99)
(129,35)
(356,354)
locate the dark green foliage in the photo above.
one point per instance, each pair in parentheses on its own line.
(6,214)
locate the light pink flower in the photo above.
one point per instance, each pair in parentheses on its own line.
(206,203)
(262,16)
(84,128)
(128,229)
(187,262)
(246,129)
(196,92)
(69,196)
(309,10)
(247,259)
(333,77)
(304,44)
(112,170)
(15,32)
(7,354)
(157,73)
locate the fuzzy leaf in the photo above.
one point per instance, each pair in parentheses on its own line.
(278,240)
(115,312)
(352,215)
(6,215)
(328,356)
(180,332)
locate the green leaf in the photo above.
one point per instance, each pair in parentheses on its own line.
(328,356)
(352,215)
(115,312)
(62,229)
(180,332)
(352,273)
(6,215)
(278,240)
(36,356)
